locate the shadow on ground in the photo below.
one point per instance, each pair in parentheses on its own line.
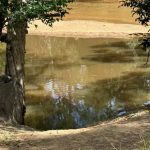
(132,133)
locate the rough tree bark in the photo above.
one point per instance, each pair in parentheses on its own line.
(15,60)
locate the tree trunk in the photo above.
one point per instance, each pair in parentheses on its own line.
(6,102)
(15,60)
(2,17)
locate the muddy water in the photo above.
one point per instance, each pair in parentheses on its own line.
(73,83)
(100,10)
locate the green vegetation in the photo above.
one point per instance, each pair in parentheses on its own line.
(17,11)
(139,8)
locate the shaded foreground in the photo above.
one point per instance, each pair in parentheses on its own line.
(131,132)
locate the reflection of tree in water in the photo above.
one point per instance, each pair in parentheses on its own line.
(77,107)
(72,97)
(66,110)
(64,114)
(45,55)
(129,91)
(72,103)
(127,51)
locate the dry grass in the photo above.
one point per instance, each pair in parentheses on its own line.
(126,133)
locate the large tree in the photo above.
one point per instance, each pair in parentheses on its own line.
(15,16)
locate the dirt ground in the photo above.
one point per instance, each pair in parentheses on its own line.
(127,133)
(87,29)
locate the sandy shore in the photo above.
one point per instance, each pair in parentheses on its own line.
(87,29)
(127,133)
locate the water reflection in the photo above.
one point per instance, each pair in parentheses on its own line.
(62,113)
(71,84)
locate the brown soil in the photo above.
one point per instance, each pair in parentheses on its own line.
(126,133)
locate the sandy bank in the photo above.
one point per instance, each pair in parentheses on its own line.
(87,29)
(126,133)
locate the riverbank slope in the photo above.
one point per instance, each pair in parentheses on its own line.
(126,133)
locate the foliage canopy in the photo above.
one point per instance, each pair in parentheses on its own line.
(48,11)
(141,8)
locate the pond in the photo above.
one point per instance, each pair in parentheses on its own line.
(76,82)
